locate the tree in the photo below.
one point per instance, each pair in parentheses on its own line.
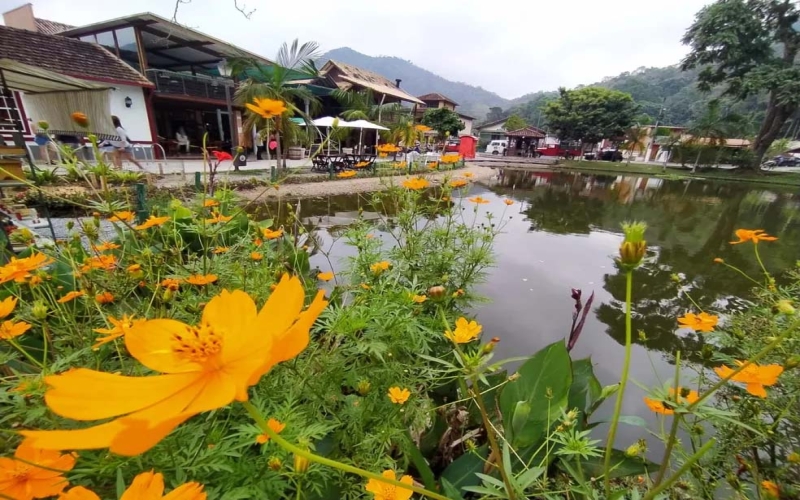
(515,122)
(635,138)
(494,114)
(590,114)
(362,105)
(713,128)
(443,120)
(750,47)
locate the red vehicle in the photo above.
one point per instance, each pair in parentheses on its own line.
(561,150)
(452,145)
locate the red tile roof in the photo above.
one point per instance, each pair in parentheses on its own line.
(526,132)
(67,56)
(50,27)
(435,96)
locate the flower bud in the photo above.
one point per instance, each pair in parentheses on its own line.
(300,464)
(363,387)
(70,225)
(436,292)
(631,253)
(785,307)
(792,362)
(39,310)
(275,463)
(609,390)
(634,450)
(167,295)
(719,260)
(488,347)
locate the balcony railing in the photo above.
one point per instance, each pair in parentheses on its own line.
(183,84)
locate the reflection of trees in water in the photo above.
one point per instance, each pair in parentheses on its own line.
(690,223)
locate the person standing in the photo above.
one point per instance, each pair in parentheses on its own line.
(122,147)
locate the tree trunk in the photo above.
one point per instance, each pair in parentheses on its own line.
(770,128)
(697,160)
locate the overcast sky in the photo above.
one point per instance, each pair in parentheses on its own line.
(510,47)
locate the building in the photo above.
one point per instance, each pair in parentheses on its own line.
(436,100)
(524,141)
(490,131)
(348,77)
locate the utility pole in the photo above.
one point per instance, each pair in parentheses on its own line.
(655,131)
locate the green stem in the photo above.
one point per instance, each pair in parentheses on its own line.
(686,466)
(286,445)
(760,263)
(676,420)
(25,353)
(742,273)
(612,431)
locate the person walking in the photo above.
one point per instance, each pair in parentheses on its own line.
(122,147)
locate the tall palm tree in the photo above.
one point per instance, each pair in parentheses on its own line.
(275,82)
(363,105)
(635,138)
(715,127)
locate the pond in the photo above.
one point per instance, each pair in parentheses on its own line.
(563,232)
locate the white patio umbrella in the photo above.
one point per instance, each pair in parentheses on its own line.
(364,124)
(327,122)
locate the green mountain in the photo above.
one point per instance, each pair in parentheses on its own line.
(472,100)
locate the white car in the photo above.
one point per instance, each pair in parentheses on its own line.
(497,147)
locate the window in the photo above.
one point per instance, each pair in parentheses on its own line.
(89,38)
(106,39)
(128,50)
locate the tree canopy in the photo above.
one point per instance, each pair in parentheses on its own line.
(443,120)
(590,114)
(515,122)
(750,47)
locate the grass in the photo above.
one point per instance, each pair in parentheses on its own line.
(773,178)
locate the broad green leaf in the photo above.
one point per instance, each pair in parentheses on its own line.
(450,491)
(462,471)
(586,389)
(621,465)
(419,462)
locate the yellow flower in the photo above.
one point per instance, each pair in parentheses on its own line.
(171,284)
(121,327)
(398,395)
(102,261)
(469,175)
(418,299)
(267,108)
(70,296)
(702,322)
(379,267)
(150,486)
(684,397)
(35,281)
(755,376)
(479,200)
(152,221)
(361,164)
(7,306)
(19,270)
(347,174)
(466,331)
(275,425)
(458,183)
(270,234)
(134,268)
(450,159)
(386,491)
(217,217)
(754,235)
(508,202)
(416,183)
(219,250)
(771,489)
(80,119)
(78,493)
(210,202)
(458,293)
(34,473)
(325,276)
(11,329)
(104,298)
(201,279)
(256,256)
(202,368)
(718,260)
(105,246)
(124,216)
(365,286)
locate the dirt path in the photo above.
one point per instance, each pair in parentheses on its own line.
(365,185)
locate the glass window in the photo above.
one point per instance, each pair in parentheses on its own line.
(89,38)
(106,39)
(128,50)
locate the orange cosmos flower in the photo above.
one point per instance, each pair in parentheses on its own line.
(202,368)
(104,298)
(275,425)
(325,276)
(754,235)
(469,175)
(201,279)
(771,489)
(685,396)
(365,286)
(34,473)
(258,242)
(105,246)
(217,217)
(508,202)
(124,216)
(347,174)
(379,267)
(171,284)
(718,260)
(35,281)
(70,296)
(152,221)
(121,327)
(11,329)
(78,493)
(7,306)
(479,200)
(702,322)
(267,108)
(466,331)
(270,234)
(80,119)
(398,395)
(386,491)
(150,486)
(219,250)
(458,183)
(418,299)
(134,268)
(210,202)
(103,261)
(19,270)
(256,256)
(755,376)
(416,183)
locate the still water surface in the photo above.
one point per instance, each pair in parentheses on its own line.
(563,232)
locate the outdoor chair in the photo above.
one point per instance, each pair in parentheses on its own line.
(319,163)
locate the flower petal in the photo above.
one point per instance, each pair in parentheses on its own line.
(137,436)
(282,307)
(151,342)
(756,389)
(188,491)
(233,315)
(145,486)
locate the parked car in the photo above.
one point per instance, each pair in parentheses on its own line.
(452,146)
(558,150)
(497,147)
(611,155)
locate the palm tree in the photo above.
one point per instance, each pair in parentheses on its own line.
(274,82)
(715,127)
(362,105)
(635,138)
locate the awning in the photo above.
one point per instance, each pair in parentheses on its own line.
(31,80)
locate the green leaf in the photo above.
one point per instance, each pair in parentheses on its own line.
(544,381)
(419,462)
(621,465)
(462,471)
(586,389)
(120,483)
(450,491)
(624,419)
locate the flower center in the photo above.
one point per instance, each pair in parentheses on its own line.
(198,344)
(21,472)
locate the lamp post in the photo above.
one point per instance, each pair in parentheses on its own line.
(225,70)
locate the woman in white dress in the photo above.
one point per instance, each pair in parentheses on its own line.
(122,147)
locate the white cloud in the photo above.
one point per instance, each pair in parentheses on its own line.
(508,47)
